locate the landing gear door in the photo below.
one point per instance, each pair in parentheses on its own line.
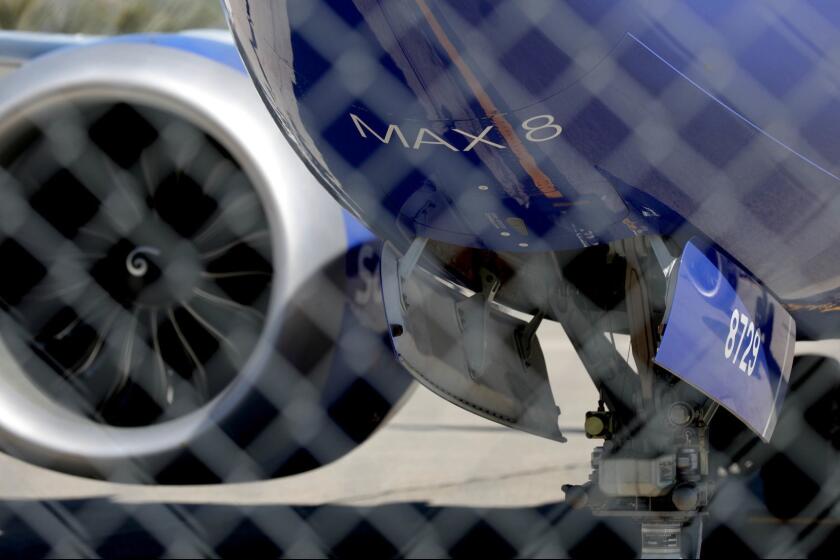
(465,348)
(728,336)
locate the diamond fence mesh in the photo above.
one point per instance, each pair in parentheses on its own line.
(144,338)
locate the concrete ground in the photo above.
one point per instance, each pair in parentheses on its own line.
(430,451)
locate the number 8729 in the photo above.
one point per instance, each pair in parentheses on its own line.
(748,352)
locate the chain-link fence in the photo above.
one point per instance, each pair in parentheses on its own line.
(150,332)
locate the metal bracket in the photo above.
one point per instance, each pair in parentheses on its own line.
(526,337)
(407,263)
(667,262)
(409,260)
(473,314)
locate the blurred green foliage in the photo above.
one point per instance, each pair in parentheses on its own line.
(102,17)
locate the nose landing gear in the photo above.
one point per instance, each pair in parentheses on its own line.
(654,463)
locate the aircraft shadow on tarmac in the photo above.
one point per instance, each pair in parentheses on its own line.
(101,527)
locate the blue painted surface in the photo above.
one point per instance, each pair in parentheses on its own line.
(218,51)
(357,234)
(24,45)
(750,385)
(723,113)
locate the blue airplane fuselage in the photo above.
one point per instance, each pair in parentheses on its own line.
(533,126)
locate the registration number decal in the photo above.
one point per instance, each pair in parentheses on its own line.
(728,336)
(749,355)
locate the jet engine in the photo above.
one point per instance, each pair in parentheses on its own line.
(179,300)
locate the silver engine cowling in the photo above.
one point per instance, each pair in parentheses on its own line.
(179,302)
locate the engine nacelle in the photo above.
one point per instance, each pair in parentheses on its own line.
(179,301)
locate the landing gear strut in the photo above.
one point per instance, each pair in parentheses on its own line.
(653,464)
